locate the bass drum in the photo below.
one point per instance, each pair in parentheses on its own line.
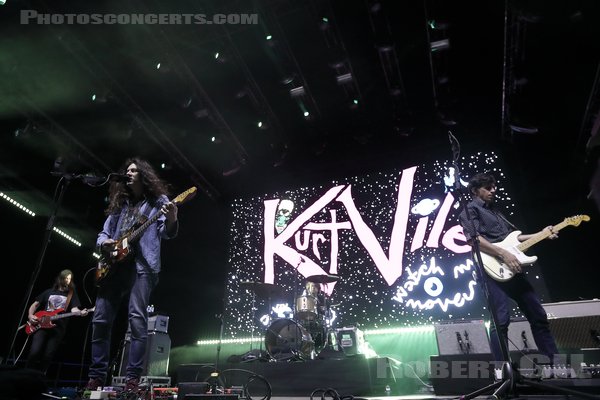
(286,338)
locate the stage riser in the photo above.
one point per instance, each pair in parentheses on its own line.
(350,376)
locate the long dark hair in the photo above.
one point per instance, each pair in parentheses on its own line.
(60,279)
(154,187)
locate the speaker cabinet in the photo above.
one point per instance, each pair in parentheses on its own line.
(576,332)
(156,361)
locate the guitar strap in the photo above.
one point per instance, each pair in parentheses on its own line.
(69,296)
(507,221)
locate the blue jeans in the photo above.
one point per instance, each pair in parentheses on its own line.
(125,280)
(520,290)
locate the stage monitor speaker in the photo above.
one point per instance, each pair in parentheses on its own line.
(462,337)
(459,374)
(156,361)
(520,337)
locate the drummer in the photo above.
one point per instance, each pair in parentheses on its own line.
(312,289)
(317,291)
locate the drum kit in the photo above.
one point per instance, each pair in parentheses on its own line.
(308,331)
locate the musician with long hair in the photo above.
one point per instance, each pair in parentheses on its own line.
(141,197)
(45,342)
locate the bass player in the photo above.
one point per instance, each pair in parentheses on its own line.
(45,342)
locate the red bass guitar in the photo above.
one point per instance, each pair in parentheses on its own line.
(45,319)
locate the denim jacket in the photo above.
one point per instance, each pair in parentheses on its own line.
(147,248)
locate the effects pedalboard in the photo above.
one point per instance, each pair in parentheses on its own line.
(585,371)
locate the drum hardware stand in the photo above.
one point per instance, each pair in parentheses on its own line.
(506,387)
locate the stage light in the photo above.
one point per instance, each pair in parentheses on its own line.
(325,19)
(355,101)
(269,37)
(344,78)
(260,124)
(16,204)
(163,165)
(2,2)
(66,236)
(216,55)
(100,97)
(532,130)
(440,45)
(306,114)
(96,255)
(297,91)
(158,66)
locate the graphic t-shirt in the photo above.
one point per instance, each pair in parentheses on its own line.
(53,299)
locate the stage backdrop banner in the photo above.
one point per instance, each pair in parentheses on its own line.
(392,238)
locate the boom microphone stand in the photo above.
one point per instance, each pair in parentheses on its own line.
(510,373)
(64,181)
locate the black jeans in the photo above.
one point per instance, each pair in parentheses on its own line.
(520,290)
(44,345)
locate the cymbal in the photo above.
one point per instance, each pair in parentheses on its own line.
(325,278)
(262,289)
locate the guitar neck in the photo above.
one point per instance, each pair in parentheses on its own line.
(523,246)
(136,233)
(188,194)
(63,315)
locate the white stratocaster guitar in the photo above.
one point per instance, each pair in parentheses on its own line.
(500,271)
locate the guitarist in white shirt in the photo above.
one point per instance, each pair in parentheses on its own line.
(489,225)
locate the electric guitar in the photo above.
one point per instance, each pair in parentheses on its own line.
(499,271)
(45,319)
(121,249)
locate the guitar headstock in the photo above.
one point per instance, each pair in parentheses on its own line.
(185,196)
(577,219)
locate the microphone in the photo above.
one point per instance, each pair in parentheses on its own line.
(468,342)
(91,179)
(119,177)
(524,337)
(460,342)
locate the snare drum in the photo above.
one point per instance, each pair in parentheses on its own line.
(306,308)
(285,336)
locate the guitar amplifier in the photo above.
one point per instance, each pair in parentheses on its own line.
(462,337)
(575,324)
(520,337)
(158,323)
(156,359)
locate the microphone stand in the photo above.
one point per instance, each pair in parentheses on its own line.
(64,181)
(510,373)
